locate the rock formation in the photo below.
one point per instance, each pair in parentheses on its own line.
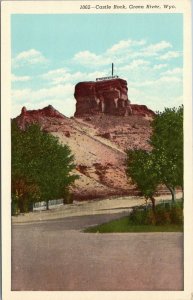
(106,96)
(37,116)
(141,110)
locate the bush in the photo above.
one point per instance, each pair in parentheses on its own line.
(165,214)
(14,208)
(67,198)
(177,215)
(162,215)
(137,217)
(150,218)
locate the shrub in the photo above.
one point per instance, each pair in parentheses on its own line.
(150,218)
(67,197)
(14,207)
(176,215)
(164,214)
(137,217)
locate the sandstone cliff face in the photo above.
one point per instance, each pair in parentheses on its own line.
(107,96)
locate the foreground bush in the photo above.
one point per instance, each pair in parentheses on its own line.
(163,215)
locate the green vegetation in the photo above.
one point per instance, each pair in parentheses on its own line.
(168,218)
(164,163)
(41,168)
(141,168)
(164,214)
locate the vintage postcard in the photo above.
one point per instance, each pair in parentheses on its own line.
(97,194)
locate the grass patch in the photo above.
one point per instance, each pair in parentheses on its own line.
(168,217)
(125,225)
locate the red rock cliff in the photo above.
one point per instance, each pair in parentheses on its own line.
(37,116)
(107,96)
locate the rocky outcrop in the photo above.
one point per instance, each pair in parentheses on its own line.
(106,96)
(39,116)
(48,111)
(141,110)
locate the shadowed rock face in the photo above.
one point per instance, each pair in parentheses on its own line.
(107,96)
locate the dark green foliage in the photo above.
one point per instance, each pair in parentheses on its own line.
(164,215)
(167,143)
(41,166)
(164,163)
(137,217)
(141,166)
(176,215)
(67,197)
(24,193)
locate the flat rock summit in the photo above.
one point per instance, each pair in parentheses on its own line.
(104,126)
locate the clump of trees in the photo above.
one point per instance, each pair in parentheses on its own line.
(164,163)
(40,167)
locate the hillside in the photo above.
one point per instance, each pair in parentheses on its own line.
(98,143)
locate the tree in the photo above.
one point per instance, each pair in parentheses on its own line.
(141,169)
(40,160)
(24,193)
(167,143)
(164,163)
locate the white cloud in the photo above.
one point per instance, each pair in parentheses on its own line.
(125,44)
(154,49)
(170,79)
(160,66)
(88,58)
(62,76)
(162,83)
(156,94)
(19,95)
(119,53)
(135,64)
(55,76)
(175,71)
(122,53)
(54,73)
(60,96)
(31,57)
(170,55)
(15,78)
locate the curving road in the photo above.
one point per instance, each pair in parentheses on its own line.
(57,255)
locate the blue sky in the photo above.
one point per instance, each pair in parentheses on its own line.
(51,53)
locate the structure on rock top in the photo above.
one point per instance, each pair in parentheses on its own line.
(105,95)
